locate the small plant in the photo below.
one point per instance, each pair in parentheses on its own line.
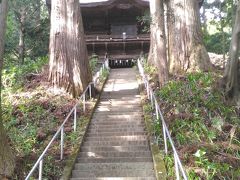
(169,161)
(104,74)
(151,70)
(147,108)
(93,62)
(13,77)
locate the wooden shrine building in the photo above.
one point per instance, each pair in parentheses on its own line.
(112,28)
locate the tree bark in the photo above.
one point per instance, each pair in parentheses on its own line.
(37,14)
(204,18)
(7,159)
(69,65)
(186,50)
(158,54)
(21,44)
(232,75)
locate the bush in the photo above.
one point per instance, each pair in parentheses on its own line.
(13,76)
(214,42)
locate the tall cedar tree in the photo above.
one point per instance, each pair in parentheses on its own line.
(7,159)
(69,65)
(185,45)
(232,71)
(157,53)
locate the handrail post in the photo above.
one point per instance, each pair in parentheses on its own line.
(156,109)
(147,89)
(84,101)
(40,169)
(101,71)
(151,98)
(165,138)
(176,167)
(75,119)
(90,91)
(62,142)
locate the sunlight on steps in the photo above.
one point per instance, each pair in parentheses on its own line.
(116,144)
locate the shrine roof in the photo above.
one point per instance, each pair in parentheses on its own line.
(102,3)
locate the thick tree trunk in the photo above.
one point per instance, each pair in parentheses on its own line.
(186,49)
(21,45)
(204,18)
(232,75)
(7,160)
(48,3)
(150,59)
(69,65)
(223,39)
(38,12)
(158,54)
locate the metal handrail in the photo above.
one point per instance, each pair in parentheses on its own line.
(60,130)
(166,135)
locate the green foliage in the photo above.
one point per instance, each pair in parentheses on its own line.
(197,116)
(13,76)
(147,108)
(169,161)
(214,42)
(145,22)
(37,39)
(210,169)
(50,169)
(93,62)
(219,27)
(151,70)
(104,74)
(35,30)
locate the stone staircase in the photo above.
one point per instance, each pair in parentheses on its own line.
(116,144)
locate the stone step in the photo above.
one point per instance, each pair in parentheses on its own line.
(114,148)
(116,126)
(117,142)
(123,120)
(107,134)
(112,154)
(110,105)
(114,173)
(116,123)
(121,115)
(129,100)
(120,110)
(113,166)
(120,80)
(114,159)
(122,138)
(130,108)
(99,130)
(121,89)
(130,97)
(120,103)
(116,178)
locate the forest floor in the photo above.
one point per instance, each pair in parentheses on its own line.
(32,113)
(203,124)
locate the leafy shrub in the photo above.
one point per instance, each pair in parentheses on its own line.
(93,62)
(214,42)
(13,76)
(200,121)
